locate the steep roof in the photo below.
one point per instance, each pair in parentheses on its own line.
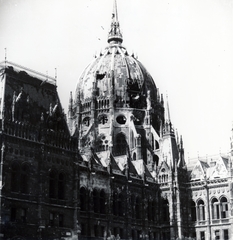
(32,100)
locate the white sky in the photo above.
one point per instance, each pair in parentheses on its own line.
(186,45)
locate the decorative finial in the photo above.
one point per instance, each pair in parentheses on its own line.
(115,35)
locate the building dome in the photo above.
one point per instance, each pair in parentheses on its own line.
(117,108)
(116,70)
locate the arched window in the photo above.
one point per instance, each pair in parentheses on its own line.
(155,161)
(134,156)
(121,145)
(24,179)
(215,208)
(52,184)
(165,210)
(61,186)
(15,177)
(224,208)
(193,211)
(102,202)
(201,210)
(138,141)
(152,141)
(83,199)
(96,201)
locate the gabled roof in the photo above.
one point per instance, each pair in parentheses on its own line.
(214,167)
(114,166)
(220,169)
(199,170)
(33,100)
(164,166)
(132,170)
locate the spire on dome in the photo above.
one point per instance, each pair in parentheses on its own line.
(115,35)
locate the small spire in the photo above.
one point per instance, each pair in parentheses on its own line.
(115,35)
(71,101)
(168,118)
(168,128)
(162,102)
(181,141)
(114,12)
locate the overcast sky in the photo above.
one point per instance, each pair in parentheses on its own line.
(186,45)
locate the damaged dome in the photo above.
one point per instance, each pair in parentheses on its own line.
(117,76)
(116,71)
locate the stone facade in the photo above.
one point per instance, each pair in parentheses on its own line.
(38,156)
(114,169)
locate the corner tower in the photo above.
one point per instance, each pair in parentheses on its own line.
(117,108)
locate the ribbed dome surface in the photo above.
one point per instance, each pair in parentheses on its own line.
(114,68)
(116,76)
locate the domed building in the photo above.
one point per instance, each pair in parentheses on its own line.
(114,168)
(117,109)
(127,147)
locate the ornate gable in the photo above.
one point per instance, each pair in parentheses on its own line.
(199,171)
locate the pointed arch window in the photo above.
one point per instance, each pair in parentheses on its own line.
(83,199)
(134,156)
(155,161)
(165,210)
(121,145)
